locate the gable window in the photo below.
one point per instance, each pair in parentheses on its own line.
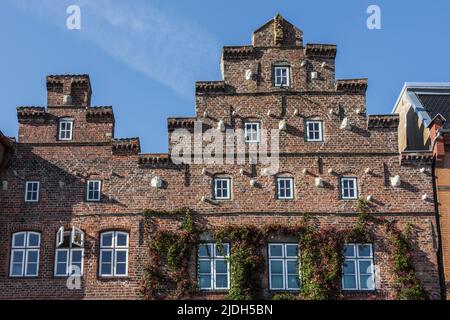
(358,270)
(349,188)
(213,266)
(65,129)
(25,250)
(222,188)
(32,191)
(314,130)
(252,132)
(114,254)
(69,252)
(281,76)
(285,188)
(283,266)
(93,192)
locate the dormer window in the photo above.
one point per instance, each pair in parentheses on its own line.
(252,132)
(65,129)
(282,76)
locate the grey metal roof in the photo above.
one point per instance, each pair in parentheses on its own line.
(436,103)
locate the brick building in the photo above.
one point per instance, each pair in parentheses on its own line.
(424,109)
(75,196)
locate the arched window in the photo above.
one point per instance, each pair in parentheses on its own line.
(25,248)
(114,254)
(69,252)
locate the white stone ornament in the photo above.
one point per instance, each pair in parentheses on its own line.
(345,125)
(67,99)
(157,182)
(5,185)
(330,112)
(305,171)
(368,171)
(248,74)
(253,182)
(221,126)
(205,114)
(396,181)
(269,113)
(282,125)
(324,64)
(425,197)
(203,199)
(303,63)
(204,172)
(241,172)
(422,170)
(314,75)
(369,198)
(61,184)
(296,112)
(330,172)
(319,182)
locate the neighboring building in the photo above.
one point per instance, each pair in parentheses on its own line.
(76,195)
(424,109)
(6,148)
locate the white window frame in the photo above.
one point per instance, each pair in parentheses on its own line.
(213,260)
(25,249)
(355,183)
(279,179)
(320,131)
(88,188)
(284,259)
(356,259)
(114,248)
(27,190)
(229,182)
(73,247)
(249,126)
(65,121)
(288,76)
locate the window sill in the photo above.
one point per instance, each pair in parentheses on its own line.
(113,278)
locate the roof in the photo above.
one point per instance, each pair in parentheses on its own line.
(428,99)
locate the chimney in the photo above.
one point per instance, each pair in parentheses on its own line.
(69,90)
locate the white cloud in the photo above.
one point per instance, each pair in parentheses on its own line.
(170,50)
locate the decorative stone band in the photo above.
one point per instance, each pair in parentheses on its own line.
(101,114)
(126,146)
(238,53)
(31,113)
(327,51)
(155,160)
(185,123)
(352,85)
(383,121)
(209,87)
(416,157)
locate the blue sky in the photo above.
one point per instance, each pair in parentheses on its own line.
(144,56)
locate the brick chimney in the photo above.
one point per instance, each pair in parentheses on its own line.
(69,90)
(439,146)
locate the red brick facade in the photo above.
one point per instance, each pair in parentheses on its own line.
(63,168)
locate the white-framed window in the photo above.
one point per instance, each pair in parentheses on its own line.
(349,188)
(69,252)
(358,270)
(314,130)
(32,191)
(284,266)
(252,132)
(93,190)
(65,131)
(282,76)
(114,254)
(222,188)
(285,188)
(25,249)
(214,266)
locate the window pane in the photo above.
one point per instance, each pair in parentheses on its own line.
(17,263)
(31,269)
(221,281)
(365,267)
(121,269)
(349,267)
(291,250)
(33,240)
(276,267)
(107,239)
(204,266)
(204,250)
(221,266)
(19,240)
(349,282)
(349,250)
(292,267)
(106,267)
(121,256)
(205,281)
(293,282)
(122,239)
(61,269)
(32,256)
(364,251)
(277,282)
(222,250)
(366,282)
(276,250)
